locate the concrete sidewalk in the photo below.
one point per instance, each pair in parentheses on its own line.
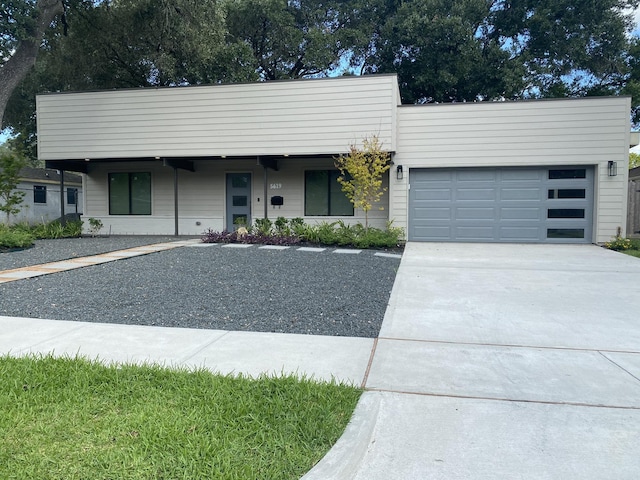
(249,353)
(502,361)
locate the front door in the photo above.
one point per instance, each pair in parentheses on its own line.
(238,200)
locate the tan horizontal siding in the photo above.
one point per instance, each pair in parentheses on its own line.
(588,131)
(300,117)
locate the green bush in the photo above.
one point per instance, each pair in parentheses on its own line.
(282,226)
(289,232)
(621,244)
(263,226)
(10,238)
(339,233)
(55,229)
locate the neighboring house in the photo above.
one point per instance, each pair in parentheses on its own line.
(181,160)
(633,220)
(41,201)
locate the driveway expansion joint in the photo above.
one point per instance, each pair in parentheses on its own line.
(620,367)
(509,345)
(501,399)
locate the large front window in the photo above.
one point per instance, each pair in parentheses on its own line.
(323,194)
(130,193)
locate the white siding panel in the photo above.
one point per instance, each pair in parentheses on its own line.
(274,118)
(556,132)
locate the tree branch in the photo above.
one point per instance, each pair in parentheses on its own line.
(14,70)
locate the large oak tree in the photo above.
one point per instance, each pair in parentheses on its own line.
(22,28)
(442,50)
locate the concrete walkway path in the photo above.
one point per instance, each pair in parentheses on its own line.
(502,361)
(73,263)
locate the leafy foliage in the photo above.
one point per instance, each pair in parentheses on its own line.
(441,51)
(295,231)
(622,244)
(472,50)
(634,160)
(95,225)
(22,235)
(56,229)
(292,39)
(14,238)
(361,174)
(10,198)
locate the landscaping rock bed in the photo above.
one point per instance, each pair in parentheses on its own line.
(212,287)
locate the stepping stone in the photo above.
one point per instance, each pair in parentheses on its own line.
(61,266)
(23,274)
(122,254)
(347,251)
(274,247)
(237,245)
(311,249)
(388,255)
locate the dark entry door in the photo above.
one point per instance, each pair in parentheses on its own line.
(238,200)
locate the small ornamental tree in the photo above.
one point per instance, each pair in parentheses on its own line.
(10,199)
(361,172)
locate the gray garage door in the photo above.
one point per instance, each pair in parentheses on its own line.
(542,204)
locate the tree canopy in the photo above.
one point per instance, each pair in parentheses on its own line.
(441,50)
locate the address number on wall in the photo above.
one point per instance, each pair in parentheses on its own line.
(276,186)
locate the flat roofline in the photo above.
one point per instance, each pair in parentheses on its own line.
(204,85)
(519,100)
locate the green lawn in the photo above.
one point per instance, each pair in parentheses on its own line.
(77,419)
(633,253)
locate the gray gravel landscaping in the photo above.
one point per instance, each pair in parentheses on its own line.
(212,287)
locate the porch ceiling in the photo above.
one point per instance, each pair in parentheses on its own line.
(82,165)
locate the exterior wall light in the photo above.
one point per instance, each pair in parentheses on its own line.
(399,173)
(613,168)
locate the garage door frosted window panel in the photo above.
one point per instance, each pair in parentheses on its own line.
(500,204)
(568,210)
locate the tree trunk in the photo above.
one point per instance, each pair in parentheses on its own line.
(13,71)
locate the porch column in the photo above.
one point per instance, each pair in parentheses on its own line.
(175,199)
(266,192)
(63,221)
(177,163)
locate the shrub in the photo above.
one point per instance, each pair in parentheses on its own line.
(619,244)
(212,236)
(10,238)
(263,226)
(282,226)
(56,229)
(291,232)
(95,225)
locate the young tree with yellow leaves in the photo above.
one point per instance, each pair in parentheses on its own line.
(361,172)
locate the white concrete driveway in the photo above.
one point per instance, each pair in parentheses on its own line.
(506,362)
